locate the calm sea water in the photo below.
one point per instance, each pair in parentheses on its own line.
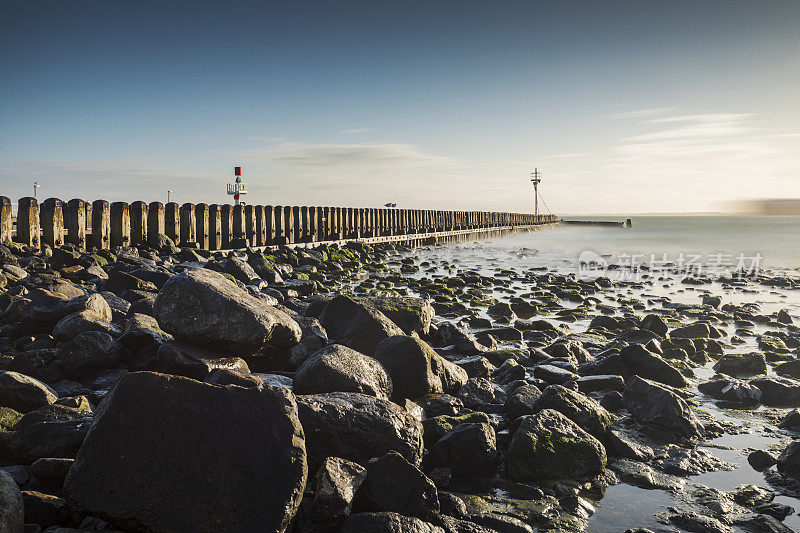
(776,239)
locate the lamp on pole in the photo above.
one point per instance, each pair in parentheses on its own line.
(169,192)
(35,187)
(536,179)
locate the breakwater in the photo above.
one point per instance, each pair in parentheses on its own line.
(103,225)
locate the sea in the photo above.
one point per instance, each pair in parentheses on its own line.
(716,247)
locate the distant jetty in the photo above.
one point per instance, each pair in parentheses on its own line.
(614,223)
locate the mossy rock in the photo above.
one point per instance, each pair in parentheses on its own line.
(548,445)
(99,260)
(435,428)
(8,418)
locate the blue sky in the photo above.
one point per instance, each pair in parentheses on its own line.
(625,106)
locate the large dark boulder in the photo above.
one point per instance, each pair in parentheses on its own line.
(658,407)
(584,411)
(395,485)
(789,460)
(47,308)
(469,450)
(522,401)
(743,364)
(357,427)
(417,370)
(24,393)
(356,325)
(449,334)
(204,307)
(648,365)
(169,453)
(86,354)
(336,483)
(731,390)
(50,431)
(548,445)
(778,391)
(183,359)
(337,368)
(12,511)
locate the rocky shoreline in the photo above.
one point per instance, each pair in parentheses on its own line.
(371,388)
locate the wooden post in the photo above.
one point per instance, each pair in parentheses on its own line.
(138,223)
(51,220)
(250,224)
(155,222)
(297,228)
(238,222)
(101,225)
(261,226)
(312,224)
(202,228)
(214,227)
(288,224)
(279,214)
(28,221)
(172,221)
(188,224)
(120,224)
(226,212)
(6,220)
(269,225)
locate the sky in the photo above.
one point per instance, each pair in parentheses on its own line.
(625,107)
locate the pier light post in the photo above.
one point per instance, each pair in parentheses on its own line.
(237,188)
(536,179)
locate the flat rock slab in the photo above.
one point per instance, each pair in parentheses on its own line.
(169,453)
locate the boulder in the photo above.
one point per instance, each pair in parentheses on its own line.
(204,307)
(356,325)
(648,365)
(207,458)
(71,325)
(47,308)
(337,368)
(449,334)
(415,369)
(731,390)
(335,485)
(477,392)
(742,364)
(548,445)
(51,431)
(656,406)
(86,354)
(12,510)
(357,427)
(778,391)
(582,410)
(522,401)
(240,270)
(476,366)
(412,315)
(436,427)
(24,393)
(789,368)
(469,450)
(313,339)
(789,460)
(43,509)
(655,324)
(387,523)
(697,330)
(395,485)
(183,359)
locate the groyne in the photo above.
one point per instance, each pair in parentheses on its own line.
(103,225)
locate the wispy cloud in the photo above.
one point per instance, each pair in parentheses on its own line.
(344,155)
(564,156)
(641,113)
(356,131)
